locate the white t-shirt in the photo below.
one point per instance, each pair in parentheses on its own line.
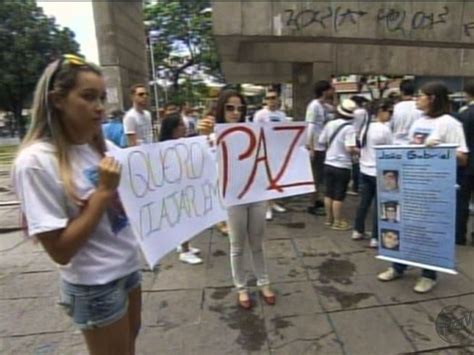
(111,251)
(190,123)
(378,134)
(337,154)
(265,115)
(316,116)
(404,115)
(360,117)
(138,123)
(445,129)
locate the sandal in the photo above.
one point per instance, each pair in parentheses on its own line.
(328,223)
(341,226)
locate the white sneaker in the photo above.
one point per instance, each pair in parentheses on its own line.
(269,215)
(374,243)
(424,285)
(195,251)
(357,236)
(389,275)
(278,208)
(190,258)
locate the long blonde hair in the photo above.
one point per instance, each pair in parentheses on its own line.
(47,124)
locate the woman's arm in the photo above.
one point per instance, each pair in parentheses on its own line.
(63,244)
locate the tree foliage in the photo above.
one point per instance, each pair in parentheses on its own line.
(182,39)
(29,40)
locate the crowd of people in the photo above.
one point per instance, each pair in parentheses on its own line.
(67,184)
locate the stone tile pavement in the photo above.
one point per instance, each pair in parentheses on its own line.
(329,301)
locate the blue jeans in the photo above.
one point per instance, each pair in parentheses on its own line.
(95,306)
(400,268)
(368,193)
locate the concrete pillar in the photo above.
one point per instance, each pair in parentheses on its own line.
(122,48)
(302,75)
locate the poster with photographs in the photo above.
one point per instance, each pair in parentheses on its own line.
(416,188)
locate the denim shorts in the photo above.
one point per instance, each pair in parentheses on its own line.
(97,306)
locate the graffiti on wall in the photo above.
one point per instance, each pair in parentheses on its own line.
(393,19)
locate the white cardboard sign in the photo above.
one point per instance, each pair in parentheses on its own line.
(259,162)
(170,193)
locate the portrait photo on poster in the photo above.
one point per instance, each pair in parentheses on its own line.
(390,211)
(390,239)
(390,180)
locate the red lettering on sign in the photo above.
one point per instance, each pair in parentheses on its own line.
(257,146)
(225,151)
(299,131)
(261,142)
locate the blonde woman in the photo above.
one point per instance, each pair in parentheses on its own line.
(68,190)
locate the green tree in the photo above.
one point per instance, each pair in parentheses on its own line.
(29,40)
(182,38)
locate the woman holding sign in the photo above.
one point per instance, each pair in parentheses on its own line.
(246,222)
(68,192)
(436,126)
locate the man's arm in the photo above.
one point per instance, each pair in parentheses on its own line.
(129,128)
(131,139)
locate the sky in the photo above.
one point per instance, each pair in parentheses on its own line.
(78,16)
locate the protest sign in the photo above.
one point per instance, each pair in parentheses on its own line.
(170,192)
(259,162)
(416,205)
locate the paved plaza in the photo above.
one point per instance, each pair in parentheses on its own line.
(329,301)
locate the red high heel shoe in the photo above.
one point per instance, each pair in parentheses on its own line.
(245,304)
(270,300)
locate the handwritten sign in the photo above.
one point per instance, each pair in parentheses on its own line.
(416,197)
(259,162)
(170,193)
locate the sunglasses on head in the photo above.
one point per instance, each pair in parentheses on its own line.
(233,108)
(66,59)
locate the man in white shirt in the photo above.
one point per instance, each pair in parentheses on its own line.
(405,113)
(271,113)
(317,115)
(137,121)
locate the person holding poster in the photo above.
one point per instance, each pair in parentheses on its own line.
(372,134)
(466,116)
(338,137)
(173,127)
(246,222)
(435,127)
(67,186)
